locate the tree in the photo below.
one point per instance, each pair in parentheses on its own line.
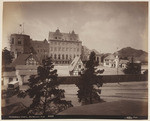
(6,57)
(90,80)
(132,68)
(43,89)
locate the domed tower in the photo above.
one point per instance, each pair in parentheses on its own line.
(19,44)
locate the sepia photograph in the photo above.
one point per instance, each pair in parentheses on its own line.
(74,60)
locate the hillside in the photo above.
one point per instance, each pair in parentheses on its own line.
(139,55)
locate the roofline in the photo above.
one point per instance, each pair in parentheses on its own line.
(66,41)
(20,34)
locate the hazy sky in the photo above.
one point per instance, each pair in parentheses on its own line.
(103,26)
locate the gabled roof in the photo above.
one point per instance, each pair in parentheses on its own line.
(96,52)
(73,63)
(21,60)
(64,36)
(110,57)
(88,51)
(36,43)
(123,61)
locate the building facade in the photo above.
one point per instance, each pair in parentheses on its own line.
(41,49)
(64,47)
(111,61)
(25,65)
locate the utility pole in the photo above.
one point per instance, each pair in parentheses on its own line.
(23,28)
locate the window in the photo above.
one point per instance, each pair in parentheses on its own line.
(10,79)
(55,37)
(19,42)
(66,49)
(59,56)
(97,58)
(63,56)
(79,66)
(51,48)
(55,49)
(66,56)
(12,41)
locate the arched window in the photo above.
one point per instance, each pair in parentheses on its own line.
(59,56)
(97,58)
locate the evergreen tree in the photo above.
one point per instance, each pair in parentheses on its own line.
(43,89)
(6,57)
(90,80)
(133,68)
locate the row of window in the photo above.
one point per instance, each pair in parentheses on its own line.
(63,57)
(59,38)
(42,50)
(62,62)
(64,49)
(63,43)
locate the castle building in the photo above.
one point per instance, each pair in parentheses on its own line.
(23,44)
(64,47)
(19,44)
(40,48)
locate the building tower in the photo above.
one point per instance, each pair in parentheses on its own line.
(19,44)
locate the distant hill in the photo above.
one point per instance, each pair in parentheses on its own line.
(138,55)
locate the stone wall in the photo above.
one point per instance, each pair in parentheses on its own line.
(106,78)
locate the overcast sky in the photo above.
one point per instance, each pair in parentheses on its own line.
(103,26)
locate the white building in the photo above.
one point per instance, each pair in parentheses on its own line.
(111,61)
(76,66)
(25,66)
